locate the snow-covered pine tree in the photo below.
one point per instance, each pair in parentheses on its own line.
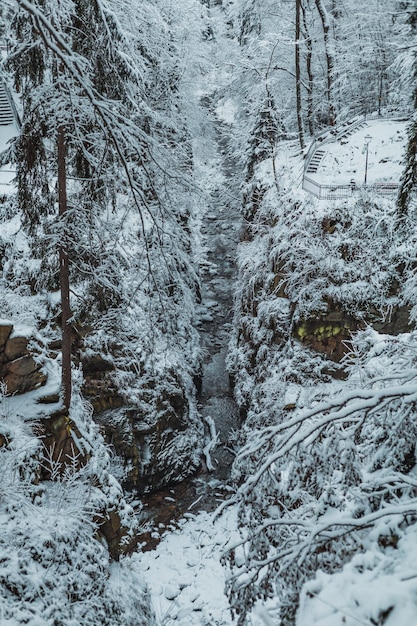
(63,127)
(407,193)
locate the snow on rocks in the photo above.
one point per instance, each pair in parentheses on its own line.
(184,574)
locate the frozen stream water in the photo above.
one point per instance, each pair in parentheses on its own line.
(220,229)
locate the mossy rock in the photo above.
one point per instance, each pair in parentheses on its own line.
(327,336)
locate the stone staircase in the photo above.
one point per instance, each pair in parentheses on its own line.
(315,161)
(6,111)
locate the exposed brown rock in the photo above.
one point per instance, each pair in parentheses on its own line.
(20,384)
(60,446)
(101,394)
(23,366)
(5,331)
(142,440)
(49,399)
(15,348)
(396,323)
(330,334)
(96,364)
(114,534)
(22,374)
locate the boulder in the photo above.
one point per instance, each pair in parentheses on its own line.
(396,323)
(22,374)
(23,366)
(16,383)
(15,348)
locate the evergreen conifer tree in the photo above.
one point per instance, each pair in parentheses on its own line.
(409,179)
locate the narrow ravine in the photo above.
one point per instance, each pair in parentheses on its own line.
(220,229)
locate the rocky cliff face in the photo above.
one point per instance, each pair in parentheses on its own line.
(57,443)
(156,443)
(157,440)
(317,274)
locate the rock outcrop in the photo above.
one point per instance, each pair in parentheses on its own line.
(330,333)
(156,446)
(18,368)
(157,443)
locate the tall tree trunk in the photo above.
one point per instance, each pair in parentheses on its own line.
(298,73)
(309,70)
(328,50)
(64,271)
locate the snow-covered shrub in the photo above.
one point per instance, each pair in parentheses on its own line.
(315,481)
(375,587)
(55,572)
(55,569)
(351,255)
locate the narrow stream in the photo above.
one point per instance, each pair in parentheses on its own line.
(220,230)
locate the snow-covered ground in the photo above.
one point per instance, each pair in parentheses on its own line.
(375,587)
(184,573)
(186,578)
(345,159)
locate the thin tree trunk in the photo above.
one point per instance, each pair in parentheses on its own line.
(64,272)
(310,77)
(325,20)
(298,73)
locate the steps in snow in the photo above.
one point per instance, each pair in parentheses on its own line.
(315,161)
(352,130)
(6,111)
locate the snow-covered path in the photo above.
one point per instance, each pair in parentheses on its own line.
(184,573)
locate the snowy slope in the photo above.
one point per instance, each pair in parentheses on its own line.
(344,160)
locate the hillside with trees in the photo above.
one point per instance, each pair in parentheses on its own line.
(149,136)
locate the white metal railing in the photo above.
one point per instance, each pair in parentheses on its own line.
(326,192)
